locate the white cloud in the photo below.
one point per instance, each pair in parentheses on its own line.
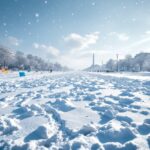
(80,54)
(48,49)
(14,41)
(120,36)
(76,56)
(77,42)
(147,32)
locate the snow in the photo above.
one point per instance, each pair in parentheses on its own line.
(45,2)
(78,117)
(36,15)
(139,76)
(75,110)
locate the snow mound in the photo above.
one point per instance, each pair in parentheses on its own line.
(147,121)
(144,129)
(113,146)
(36,107)
(124,118)
(126,94)
(118,146)
(27,146)
(87,129)
(85,143)
(42,132)
(62,105)
(89,97)
(148,140)
(114,132)
(8,125)
(23,112)
(110,113)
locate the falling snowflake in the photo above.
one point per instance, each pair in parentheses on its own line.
(124,7)
(4,24)
(36,15)
(136,3)
(29,23)
(45,2)
(93,4)
(133,19)
(20,14)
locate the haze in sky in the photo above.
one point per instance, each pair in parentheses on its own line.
(69,31)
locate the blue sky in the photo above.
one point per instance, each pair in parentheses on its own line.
(69,31)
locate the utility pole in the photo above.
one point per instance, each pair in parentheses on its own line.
(102,68)
(117,62)
(93,63)
(4,64)
(93,60)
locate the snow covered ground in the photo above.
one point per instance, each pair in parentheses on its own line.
(75,110)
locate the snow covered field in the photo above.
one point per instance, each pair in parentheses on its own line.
(75,110)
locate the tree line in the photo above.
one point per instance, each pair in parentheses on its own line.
(18,60)
(140,62)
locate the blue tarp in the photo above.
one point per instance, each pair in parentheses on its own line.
(22,74)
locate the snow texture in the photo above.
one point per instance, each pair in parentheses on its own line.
(74,110)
